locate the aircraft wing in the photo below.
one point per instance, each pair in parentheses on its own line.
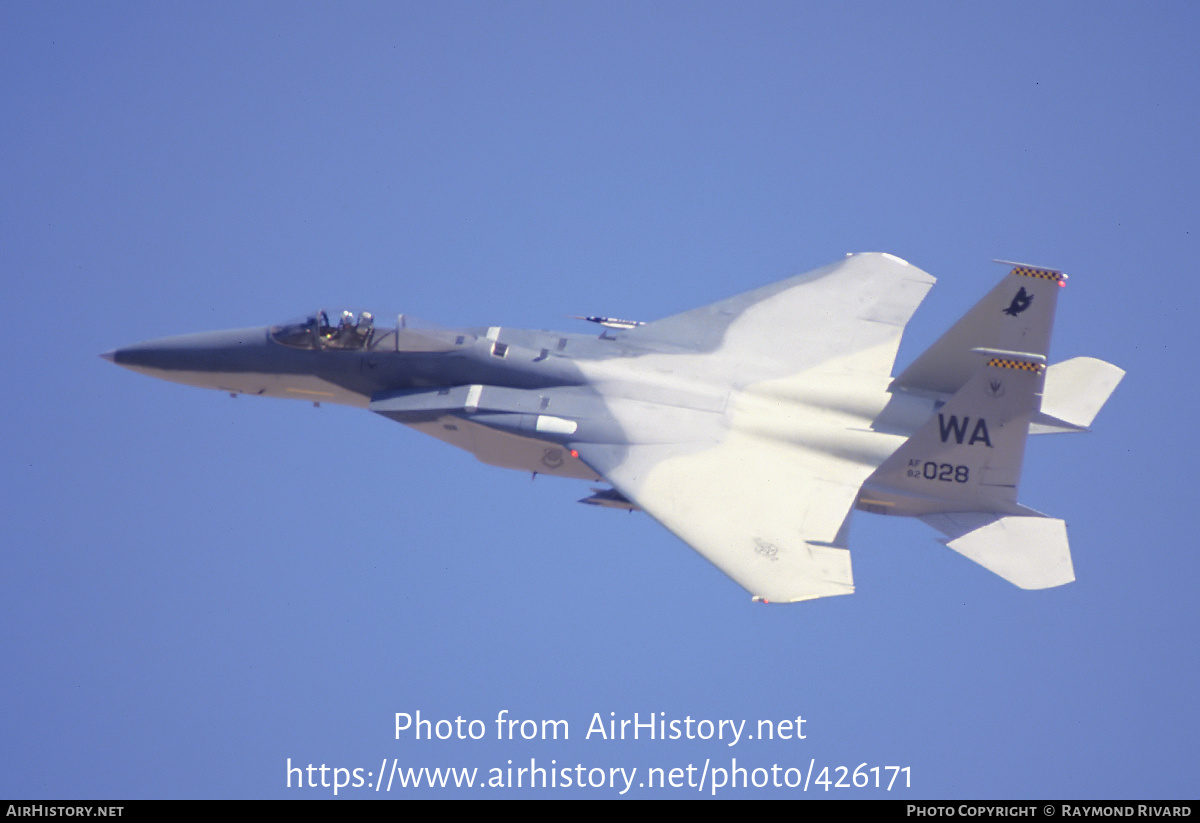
(768,516)
(763,486)
(858,303)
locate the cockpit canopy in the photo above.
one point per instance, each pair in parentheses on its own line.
(352,333)
(316,332)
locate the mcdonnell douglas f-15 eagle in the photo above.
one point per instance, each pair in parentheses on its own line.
(750,428)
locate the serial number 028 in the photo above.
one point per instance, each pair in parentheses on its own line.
(945,472)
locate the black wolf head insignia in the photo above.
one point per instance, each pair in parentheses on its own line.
(1020,303)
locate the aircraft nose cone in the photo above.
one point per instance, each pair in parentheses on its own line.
(224,351)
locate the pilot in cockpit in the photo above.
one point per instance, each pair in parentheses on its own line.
(348,333)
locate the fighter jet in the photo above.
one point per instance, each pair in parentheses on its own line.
(751,428)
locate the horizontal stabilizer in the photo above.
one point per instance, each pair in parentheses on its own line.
(1075,392)
(1029,552)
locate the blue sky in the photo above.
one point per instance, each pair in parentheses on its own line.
(198,589)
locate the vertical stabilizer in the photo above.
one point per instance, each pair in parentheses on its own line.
(1016,316)
(968,455)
